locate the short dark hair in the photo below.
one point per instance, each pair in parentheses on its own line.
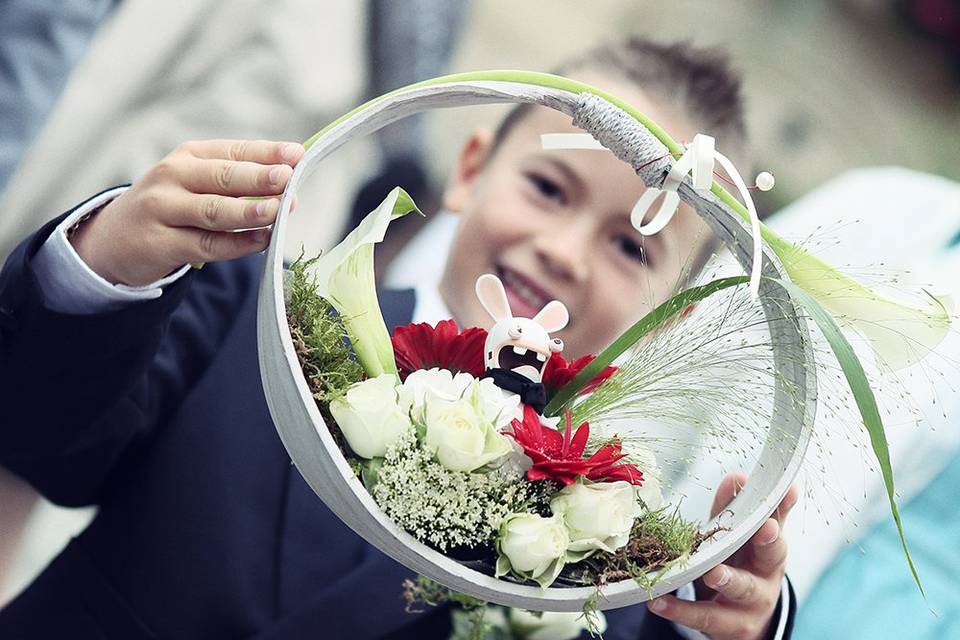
(698,80)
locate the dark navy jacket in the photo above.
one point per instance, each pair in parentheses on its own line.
(156,414)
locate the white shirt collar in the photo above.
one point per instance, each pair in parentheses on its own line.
(429,306)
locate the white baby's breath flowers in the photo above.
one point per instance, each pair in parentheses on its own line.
(597,516)
(369,417)
(532,547)
(442,507)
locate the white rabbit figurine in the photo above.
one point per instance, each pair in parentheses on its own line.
(521,345)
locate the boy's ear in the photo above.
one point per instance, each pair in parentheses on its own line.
(470,164)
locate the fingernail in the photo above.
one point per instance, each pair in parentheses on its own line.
(261,208)
(289,152)
(723,579)
(260,235)
(658,604)
(274,175)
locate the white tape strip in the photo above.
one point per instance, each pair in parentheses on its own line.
(553,141)
(702,148)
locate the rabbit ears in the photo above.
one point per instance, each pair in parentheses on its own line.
(493,297)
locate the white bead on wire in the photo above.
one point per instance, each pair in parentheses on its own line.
(765,181)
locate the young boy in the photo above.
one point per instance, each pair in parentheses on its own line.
(130,381)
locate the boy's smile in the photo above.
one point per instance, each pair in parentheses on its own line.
(555,224)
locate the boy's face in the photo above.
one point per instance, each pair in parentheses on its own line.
(556,225)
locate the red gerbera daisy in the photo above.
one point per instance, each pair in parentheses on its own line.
(558,372)
(420,346)
(560,456)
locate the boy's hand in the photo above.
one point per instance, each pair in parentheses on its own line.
(736,600)
(188,208)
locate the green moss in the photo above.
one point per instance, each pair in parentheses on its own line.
(659,540)
(319,338)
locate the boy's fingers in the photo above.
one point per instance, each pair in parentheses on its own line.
(259,151)
(231,178)
(734,584)
(221,213)
(769,549)
(212,246)
(789,501)
(708,617)
(728,489)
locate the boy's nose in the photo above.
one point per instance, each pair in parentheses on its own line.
(563,249)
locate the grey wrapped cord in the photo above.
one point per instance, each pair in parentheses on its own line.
(629,140)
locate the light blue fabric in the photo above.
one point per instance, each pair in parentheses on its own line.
(868,592)
(40,42)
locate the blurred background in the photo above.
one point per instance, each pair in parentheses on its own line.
(93,93)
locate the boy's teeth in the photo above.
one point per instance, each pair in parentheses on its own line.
(519,350)
(524,291)
(540,357)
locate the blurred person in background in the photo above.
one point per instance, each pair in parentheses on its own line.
(40,42)
(157,74)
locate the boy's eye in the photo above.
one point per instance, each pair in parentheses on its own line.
(545,186)
(631,248)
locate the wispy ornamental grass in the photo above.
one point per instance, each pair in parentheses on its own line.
(319,338)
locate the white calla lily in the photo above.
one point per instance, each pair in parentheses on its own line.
(345,277)
(899,334)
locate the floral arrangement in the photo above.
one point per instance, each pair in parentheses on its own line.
(353,346)
(467,466)
(473,440)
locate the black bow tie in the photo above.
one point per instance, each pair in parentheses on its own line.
(530,392)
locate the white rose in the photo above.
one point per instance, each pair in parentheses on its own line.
(459,435)
(498,406)
(597,515)
(440,384)
(369,416)
(553,625)
(532,546)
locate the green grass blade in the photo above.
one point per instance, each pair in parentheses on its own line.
(866,401)
(645,325)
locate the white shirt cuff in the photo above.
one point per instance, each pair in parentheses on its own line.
(687,592)
(70,286)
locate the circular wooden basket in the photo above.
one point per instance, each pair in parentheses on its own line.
(316,456)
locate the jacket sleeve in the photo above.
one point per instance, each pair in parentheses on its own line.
(80,392)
